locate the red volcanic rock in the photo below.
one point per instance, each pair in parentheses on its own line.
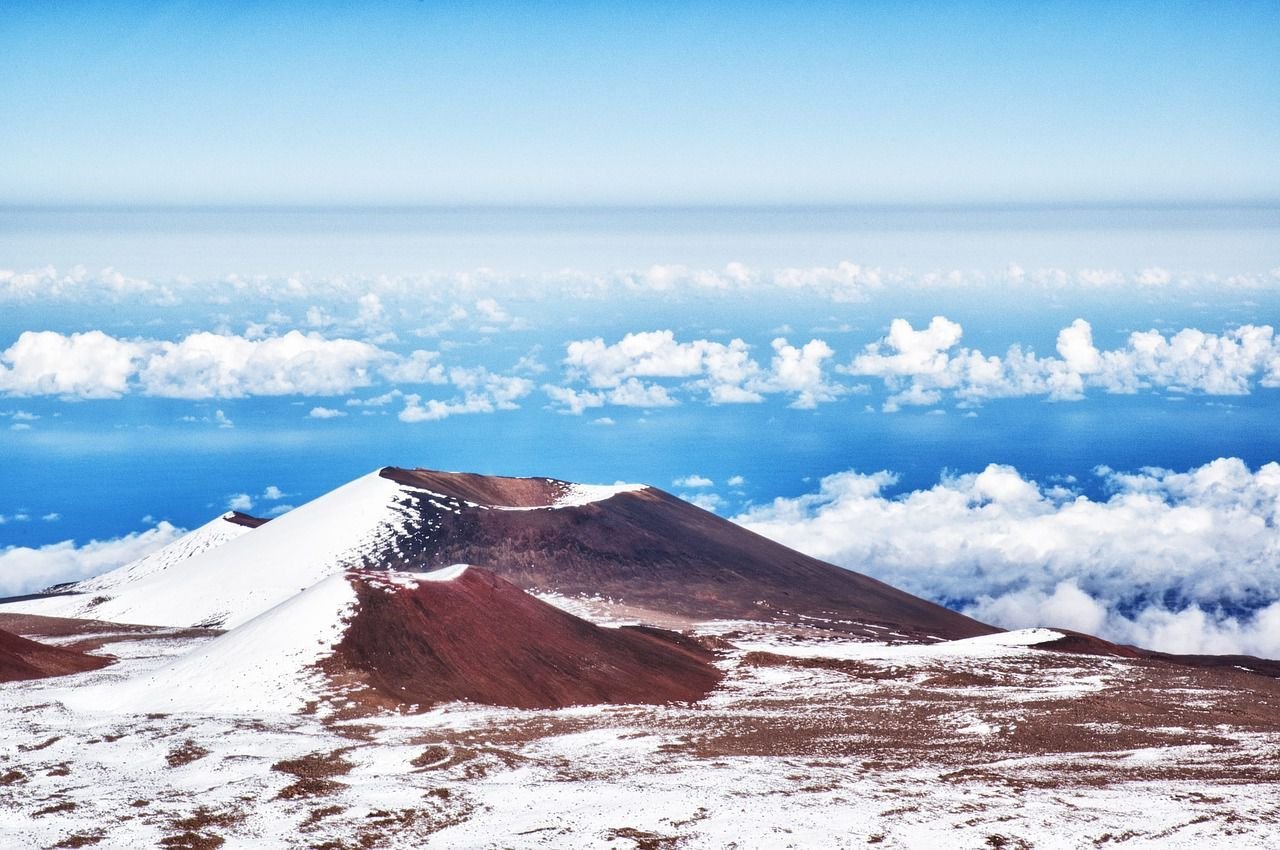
(648,549)
(21,658)
(1080,643)
(248,521)
(479,638)
(492,490)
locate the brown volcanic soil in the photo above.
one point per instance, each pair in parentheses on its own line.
(482,639)
(1083,644)
(649,549)
(21,658)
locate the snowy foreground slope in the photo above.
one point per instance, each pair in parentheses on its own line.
(808,743)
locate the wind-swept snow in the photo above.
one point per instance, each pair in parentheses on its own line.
(576,495)
(983,646)
(240,579)
(211,535)
(444,573)
(266,665)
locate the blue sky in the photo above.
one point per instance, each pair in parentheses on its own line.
(422,102)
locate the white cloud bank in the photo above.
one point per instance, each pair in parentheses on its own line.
(25,570)
(921,367)
(205,365)
(626,372)
(1180,562)
(647,369)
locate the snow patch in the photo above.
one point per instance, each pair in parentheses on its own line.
(444,573)
(575,495)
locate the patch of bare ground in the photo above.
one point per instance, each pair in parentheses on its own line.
(81,839)
(315,816)
(56,808)
(644,840)
(13,777)
(97,633)
(185,753)
(196,831)
(856,669)
(42,745)
(203,818)
(192,841)
(313,774)
(998,841)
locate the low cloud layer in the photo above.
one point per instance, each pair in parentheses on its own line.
(918,367)
(1181,562)
(200,366)
(925,366)
(473,293)
(24,569)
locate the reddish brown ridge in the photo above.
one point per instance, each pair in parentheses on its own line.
(238,518)
(21,658)
(1083,644)
(648,549)
(482,489)
(482,639)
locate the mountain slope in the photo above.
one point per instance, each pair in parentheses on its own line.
(646,548)
(634,544)
(377,640)
(21,659)
(470,635)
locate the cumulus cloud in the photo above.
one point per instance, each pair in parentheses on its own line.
(420,367)
(628,372)
(326,413)
(693,481)
(1177,561)
(240,502)
(206,365)
(707,501)
(922,367)
(482,391)
(79,365)
(219,418)
(25,570)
